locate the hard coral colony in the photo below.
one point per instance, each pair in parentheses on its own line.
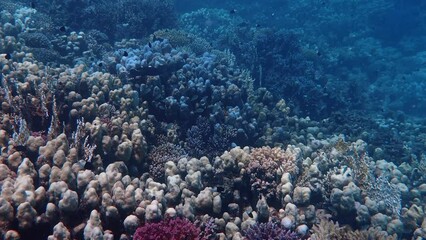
(149,140)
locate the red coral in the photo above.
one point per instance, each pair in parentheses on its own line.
(169,229)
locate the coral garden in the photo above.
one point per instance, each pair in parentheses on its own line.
(125,120)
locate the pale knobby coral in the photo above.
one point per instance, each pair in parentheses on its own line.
(60,232)
(93,228)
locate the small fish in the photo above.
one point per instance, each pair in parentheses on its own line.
(62,29)
(32,4)
(258,25)
(233,11)
(20,148)
(149,45)
(100,64)
(125,54)
(8,56)
(88,165)
(220,189)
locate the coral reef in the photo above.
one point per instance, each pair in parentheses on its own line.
(127,18)
(190,132)
(179,38)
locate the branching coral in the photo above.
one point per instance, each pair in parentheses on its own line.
(380,189)
(377,188)
(169,229)
(359,161)
(270,231)
(203,139)
(162,154)
(327,229)
(265,167)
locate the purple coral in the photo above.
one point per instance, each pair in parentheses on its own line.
(269,231)
(162,154)
(203,139)
(169,229)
